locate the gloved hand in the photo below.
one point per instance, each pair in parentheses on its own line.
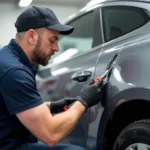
(57,106)
(91,93)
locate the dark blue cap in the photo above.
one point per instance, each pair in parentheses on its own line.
(37,17)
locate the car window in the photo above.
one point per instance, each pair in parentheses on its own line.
(78,42)
(118,21)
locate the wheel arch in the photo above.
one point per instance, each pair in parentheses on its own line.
(124,114)
(116,109)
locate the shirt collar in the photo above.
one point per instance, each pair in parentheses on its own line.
(17,50)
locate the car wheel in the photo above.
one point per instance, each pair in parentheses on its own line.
(135,136)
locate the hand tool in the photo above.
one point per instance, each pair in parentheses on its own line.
(108,69)
(102,77)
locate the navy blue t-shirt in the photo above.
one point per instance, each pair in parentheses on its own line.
(18,93)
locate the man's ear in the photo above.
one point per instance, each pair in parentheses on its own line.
(32,36)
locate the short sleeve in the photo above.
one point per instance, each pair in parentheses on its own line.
(19,92)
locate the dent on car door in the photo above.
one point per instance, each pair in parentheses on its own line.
(71,68)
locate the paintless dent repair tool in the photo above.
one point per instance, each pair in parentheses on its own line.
(103,75)
(108,69)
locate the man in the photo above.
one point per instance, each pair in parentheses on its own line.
(23,113)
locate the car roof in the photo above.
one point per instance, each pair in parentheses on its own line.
(95,2)
(91,4)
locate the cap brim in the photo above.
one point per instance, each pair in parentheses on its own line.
(63,29)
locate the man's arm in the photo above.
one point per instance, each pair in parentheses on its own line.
(51,129)
(24,101)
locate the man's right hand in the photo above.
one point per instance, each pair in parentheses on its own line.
(91,93)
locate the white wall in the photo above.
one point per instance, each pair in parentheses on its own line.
(9,13)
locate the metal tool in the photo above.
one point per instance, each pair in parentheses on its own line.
(103,75)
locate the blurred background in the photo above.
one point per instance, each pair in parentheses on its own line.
(10,9)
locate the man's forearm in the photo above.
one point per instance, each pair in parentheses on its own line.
(65,122)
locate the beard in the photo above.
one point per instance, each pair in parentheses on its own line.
(38,55)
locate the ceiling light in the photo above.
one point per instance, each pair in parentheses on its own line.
(24,3)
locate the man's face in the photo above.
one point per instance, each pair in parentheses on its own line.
(46,46)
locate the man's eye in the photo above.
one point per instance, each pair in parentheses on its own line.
(52,41)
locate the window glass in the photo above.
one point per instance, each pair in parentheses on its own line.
(78,42)
(121,20)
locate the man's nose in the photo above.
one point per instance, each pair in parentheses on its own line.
(55,47)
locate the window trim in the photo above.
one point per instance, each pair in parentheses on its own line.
(79,16)
(97,22)
(98,38)
(122,7)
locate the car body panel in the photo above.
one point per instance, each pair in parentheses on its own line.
(109,49)
(129,76)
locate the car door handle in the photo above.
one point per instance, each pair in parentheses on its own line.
(81,76)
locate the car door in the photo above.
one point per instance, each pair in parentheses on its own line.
(120,24)
(123,26)
(72,67)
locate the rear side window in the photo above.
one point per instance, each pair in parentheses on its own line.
(120,20)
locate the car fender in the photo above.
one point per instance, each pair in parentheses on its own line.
(116,101)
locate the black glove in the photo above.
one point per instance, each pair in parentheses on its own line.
(57,106)
(91,93)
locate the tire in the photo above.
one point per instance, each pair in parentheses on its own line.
(135,136)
